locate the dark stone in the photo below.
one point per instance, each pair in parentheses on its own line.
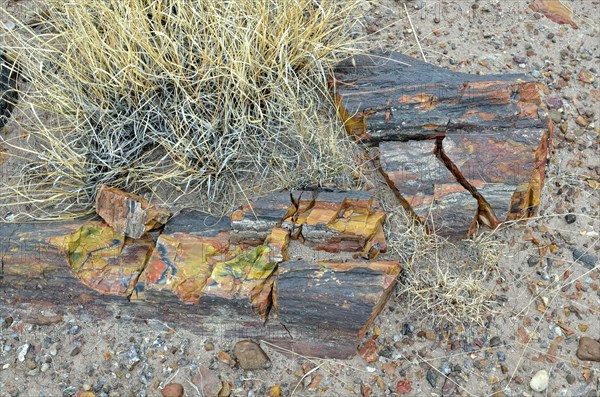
(495,341)
(533,260)
(408,329)
(587,260)
(570,218)
(432,377)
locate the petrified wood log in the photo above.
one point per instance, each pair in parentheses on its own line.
(214,275)
(460,150)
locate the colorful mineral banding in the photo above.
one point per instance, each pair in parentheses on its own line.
(199,259)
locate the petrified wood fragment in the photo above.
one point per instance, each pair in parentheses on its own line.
(253,222)
(444,136)
(343,222)
(339,297)
(127,213)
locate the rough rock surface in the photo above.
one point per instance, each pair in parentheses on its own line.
(588,349)
(250,356)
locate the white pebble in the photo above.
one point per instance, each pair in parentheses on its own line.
(539,381)
(22,352)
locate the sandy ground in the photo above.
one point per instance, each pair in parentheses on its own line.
(543,299)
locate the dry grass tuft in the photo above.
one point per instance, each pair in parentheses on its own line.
(211,96)
(443,282)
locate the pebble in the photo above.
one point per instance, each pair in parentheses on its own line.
(449,387)
(554,102)
(22,352)
(586,259)
(533,260)
(501,356)
(250,356)
(446,368)
(570,218)
(495,341)
(408,329)
(432,377)
(208,382)
(536,74)
(30,364)
(588,349)
(172,390)
(539,381)
(585,76)
(555,115)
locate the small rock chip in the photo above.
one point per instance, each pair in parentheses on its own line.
(495,341)
(368,351)
(449,387)
(587,77)
(31,364)
(588,349)
(315,381)
(128,214)
(533,260)
(519,59)
(209,346)
(275,391)
(587,260)
(250,356)
(403,387)
(76,350)
(22,352)
(172,390)
(208,382)
(225,358)
(432,377)
(539,381)
(570,218)
(44,320)
(225,389)
(554,102)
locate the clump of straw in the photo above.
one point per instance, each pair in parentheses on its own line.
(443,282)
(212,96)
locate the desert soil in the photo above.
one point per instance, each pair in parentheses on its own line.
(543,299)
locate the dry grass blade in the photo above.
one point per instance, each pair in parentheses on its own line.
(211,96)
